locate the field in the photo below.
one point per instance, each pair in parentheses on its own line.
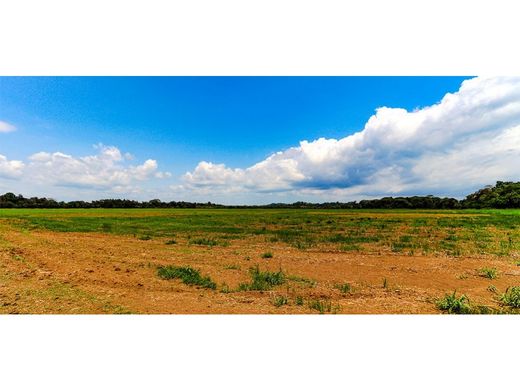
(259,261)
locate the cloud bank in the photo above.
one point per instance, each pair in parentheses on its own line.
(469,139)
(108,171)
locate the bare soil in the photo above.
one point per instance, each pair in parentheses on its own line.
(51,272)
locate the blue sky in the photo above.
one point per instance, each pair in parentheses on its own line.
(231,123)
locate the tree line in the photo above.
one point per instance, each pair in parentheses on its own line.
(501,195)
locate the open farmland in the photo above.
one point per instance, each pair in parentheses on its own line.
(259,261)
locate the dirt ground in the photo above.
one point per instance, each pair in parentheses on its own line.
(52,272)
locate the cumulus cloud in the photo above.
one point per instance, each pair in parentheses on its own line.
(106,170)
(6,127)
(468,139)
(10,169)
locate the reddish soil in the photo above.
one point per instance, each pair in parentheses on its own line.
(49,272)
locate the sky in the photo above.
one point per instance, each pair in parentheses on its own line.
(256,140)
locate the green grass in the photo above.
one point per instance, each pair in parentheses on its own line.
(262,280)
(267,255)
(345,288)
(454,305)
(443,232)
(280,300)
(323,306)
(511,297)
(203,241)
(188,276)
(490,273)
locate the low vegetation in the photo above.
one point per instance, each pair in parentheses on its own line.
(454,305)
(262,280)
(188,275)
(490,273)
(511,297)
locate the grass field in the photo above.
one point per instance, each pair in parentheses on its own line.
(258,261)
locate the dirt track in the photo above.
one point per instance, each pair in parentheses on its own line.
(49,272)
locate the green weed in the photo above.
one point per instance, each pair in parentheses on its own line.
(188,276)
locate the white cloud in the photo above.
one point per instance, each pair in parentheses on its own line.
(6,127)
(107,170)
(468,139)
(10,169)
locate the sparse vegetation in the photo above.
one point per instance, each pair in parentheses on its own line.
(280,300)
(490,273)
(511,297)
(188,275)
(454,305)
(323,306)
(171,242)
(203,241)
(267,255)
(345,288)
(262,280)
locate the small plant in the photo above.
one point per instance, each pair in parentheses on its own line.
(323,306)
(262,280)
(490,273)
(299,300)
(145,237)
(280,300)
(188,276)
(345,288)
(267,255)
(492,289)
(171,242)
(453,305)
(511,297)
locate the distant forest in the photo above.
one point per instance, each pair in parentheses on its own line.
(502,195)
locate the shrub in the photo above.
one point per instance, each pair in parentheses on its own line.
(188,276)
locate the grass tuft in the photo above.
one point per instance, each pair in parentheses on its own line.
(188,276)
(511,297)
(453,305)
(262,280)
(267,255)
(490,273)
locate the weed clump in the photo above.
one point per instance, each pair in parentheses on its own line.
(188,276)
(171,242)
(323,306)
(262,280)
(511,297)
(490,273)
(345,288)
(267,255)
(280,300)
(453,305)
